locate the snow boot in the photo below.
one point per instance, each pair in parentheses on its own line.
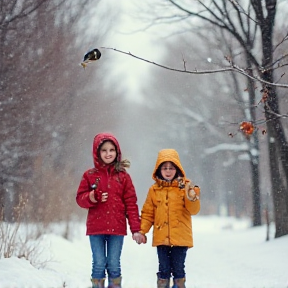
(179,283)
(162,283)
(98,283)
(114,282)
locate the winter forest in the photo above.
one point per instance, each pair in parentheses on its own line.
(207,78)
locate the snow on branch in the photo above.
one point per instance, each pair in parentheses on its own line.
(243,147)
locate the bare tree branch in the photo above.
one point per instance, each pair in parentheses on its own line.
(221,23)
(231,68)
(26,10)
(285,38)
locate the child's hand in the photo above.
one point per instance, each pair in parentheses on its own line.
(104,197)
(139,238)
(98,196)
(91,197)
(193,191)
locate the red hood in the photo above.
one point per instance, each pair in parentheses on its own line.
(98,140)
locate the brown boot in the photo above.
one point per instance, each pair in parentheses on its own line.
(115,282)
(179,283)
(98,283)
(163,283)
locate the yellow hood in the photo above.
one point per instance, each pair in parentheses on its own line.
(168,155)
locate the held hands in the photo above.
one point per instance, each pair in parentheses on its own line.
(139,238)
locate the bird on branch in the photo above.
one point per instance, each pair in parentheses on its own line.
(91,56)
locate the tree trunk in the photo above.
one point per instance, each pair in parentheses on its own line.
(278,192)
(278,146)
(256,197)
(254,151)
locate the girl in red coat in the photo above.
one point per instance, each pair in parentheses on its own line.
(108,193)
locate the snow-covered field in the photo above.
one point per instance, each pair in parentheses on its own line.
(227,254)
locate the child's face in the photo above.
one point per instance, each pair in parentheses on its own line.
(108,152)
(168,171)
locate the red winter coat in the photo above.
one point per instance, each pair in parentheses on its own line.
(109,217)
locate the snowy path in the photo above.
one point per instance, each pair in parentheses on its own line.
(235,257)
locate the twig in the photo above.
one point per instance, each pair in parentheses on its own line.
(231,68)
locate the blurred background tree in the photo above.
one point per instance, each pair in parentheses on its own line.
(51,108)
(41,87)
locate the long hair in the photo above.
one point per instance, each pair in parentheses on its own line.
(119,165)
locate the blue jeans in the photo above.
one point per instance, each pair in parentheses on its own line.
(106,253)
(171,261)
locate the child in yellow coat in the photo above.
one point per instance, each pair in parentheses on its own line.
(170,202)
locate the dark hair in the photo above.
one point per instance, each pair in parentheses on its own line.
(177,174)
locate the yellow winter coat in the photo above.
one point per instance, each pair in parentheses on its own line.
(167,207)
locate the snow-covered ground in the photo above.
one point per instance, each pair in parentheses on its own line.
(227,254)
